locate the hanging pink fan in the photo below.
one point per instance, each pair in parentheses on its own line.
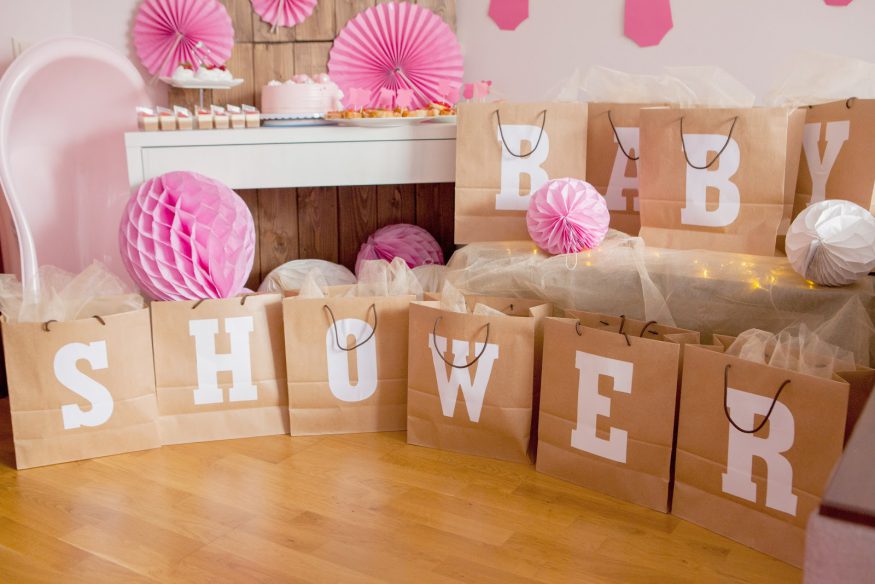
(283,12)
(170,32)
(396,46)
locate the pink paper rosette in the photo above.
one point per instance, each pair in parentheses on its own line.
(184,236)
(413,244)
(283,12)
(567,215)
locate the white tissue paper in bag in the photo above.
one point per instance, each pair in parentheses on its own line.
(291,275)
(66,296)
(832,243)
(431,276)
(814,78)
(382,278)
(452,299)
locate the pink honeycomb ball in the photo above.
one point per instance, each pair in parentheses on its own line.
(412,243)
(184,236)
(567,215)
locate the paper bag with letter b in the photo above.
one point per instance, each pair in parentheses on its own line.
(504,153)
(607,413)
(755,447)
(837,151)
(347,363)
(718,179)
(220,368)
(81,389)
(471,379)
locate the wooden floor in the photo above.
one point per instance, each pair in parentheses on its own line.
(356,508)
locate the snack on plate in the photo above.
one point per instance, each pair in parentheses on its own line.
(204,118)
(221,119)
(253,118)
(166,118)
(185,72)
(417,113)
(147,119)
(213,73)
(238,118)
(184,121)
(301,95)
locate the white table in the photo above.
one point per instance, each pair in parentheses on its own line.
(308,156)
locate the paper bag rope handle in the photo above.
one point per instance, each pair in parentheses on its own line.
(444,359)
(373,308)
(617,136)
(530,152)
(577,328)
(202,300)
(48,322)
(726,406)
(713,160)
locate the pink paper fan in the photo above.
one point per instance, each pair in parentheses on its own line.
(567,215)
(170,32)
(397,46)
(283,12)
(412,243)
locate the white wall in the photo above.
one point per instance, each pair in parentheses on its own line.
(752,39)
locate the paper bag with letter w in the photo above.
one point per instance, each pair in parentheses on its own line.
(607,413)
(504,153)
(471,379)
(220,368)
(718,179)
(837,154)
(756,445)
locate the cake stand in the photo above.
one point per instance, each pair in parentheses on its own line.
(201,85)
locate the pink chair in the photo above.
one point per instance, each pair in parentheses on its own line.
(65,105)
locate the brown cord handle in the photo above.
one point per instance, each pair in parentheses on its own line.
(646,326)
(621,331)
(444,359)
(47,329)
(726,406)
(850,102)
(373,308)
(708,165)
(530,152)
(242,300)
(617,136)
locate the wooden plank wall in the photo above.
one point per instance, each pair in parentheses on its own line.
(329,222)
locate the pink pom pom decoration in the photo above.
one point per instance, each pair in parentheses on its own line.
(413,244)
(184,236)
(567,215)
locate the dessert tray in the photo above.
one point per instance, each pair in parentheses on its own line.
(201,83)
(378,122)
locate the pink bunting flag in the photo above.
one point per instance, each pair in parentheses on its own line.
(838,2)
(358,98)
(508,14)
(385,98)
(647,21)
(449,91)
(468,91)
(481,89)
(404,98)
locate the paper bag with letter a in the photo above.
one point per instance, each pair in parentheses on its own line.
(607,416)
(81,389)
(220,368)
(347,363)
(504,153)
(718,179)
(756,445)
(471,379)
(612,155)
(837,148)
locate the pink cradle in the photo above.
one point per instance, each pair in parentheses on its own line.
(65,105)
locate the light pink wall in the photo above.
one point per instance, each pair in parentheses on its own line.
(751,39)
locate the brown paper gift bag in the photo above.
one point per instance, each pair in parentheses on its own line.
(607,417)
(471,378)
(718,179)
(220,368)
(505,152)
(837,148)
(81,389)
(760,487)
(347,364)
(612,154)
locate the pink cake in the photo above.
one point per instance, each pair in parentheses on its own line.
(301,95)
